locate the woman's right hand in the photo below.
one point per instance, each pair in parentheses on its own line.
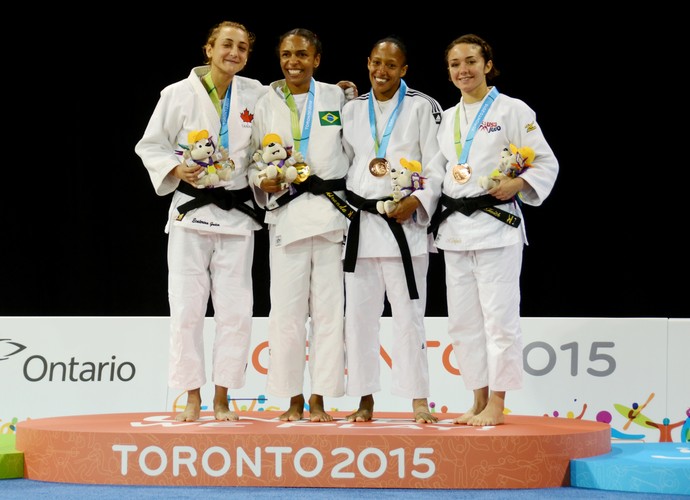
(187,173)
(271,185)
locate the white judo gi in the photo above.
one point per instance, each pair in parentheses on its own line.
(483,255)
(210,250)
(379,270)
(306,237)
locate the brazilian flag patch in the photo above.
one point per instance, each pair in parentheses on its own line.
(329,118)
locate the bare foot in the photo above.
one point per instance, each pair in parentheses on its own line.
(462,419)
(221,407)
(192,410)
(365,412)
(191,413)
(222,411)
(296,410)
(468,415)
(226,414)
(422,414)
(491,415)
(317,412)
(481,398)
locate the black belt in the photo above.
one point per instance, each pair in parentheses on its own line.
(467,206)
(352,242)
(316,185)
(221,197)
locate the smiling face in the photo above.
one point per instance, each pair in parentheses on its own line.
(468,69)
(387,66)
(298,60)
(229,51)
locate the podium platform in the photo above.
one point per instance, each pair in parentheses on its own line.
(391,451)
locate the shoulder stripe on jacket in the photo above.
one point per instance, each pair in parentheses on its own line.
(436,108)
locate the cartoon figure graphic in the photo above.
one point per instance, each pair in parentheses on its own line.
(634,414)
(665,429)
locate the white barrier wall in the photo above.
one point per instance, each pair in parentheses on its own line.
(592,368)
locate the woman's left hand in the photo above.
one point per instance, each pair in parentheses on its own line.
(349,88)
(406,207)
(507,187)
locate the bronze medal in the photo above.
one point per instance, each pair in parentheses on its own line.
(462,173)
(379,167)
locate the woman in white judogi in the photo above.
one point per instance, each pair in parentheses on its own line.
(305,233)
(481,231)
(387,255)
(211,231)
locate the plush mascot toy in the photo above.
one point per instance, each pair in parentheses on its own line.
(276,161)
(216,163)
(405,181)
(513,162)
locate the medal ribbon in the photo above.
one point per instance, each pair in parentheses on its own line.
(224,136)
(224,113)
(391,120)
(463,153)
(301,140)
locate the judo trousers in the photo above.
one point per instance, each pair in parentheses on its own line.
(306,296)
(483,293)
(203,264)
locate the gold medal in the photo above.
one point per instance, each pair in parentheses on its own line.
(379,167)
(462,173)
(303,172)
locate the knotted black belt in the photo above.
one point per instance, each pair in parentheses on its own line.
(352,243)
(221,197)
(467,206)
(316,185)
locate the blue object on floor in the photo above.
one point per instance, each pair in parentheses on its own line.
(637,467)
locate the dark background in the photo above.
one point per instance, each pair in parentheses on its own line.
(610,241)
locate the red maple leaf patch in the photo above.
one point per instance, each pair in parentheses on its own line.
(246,116)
